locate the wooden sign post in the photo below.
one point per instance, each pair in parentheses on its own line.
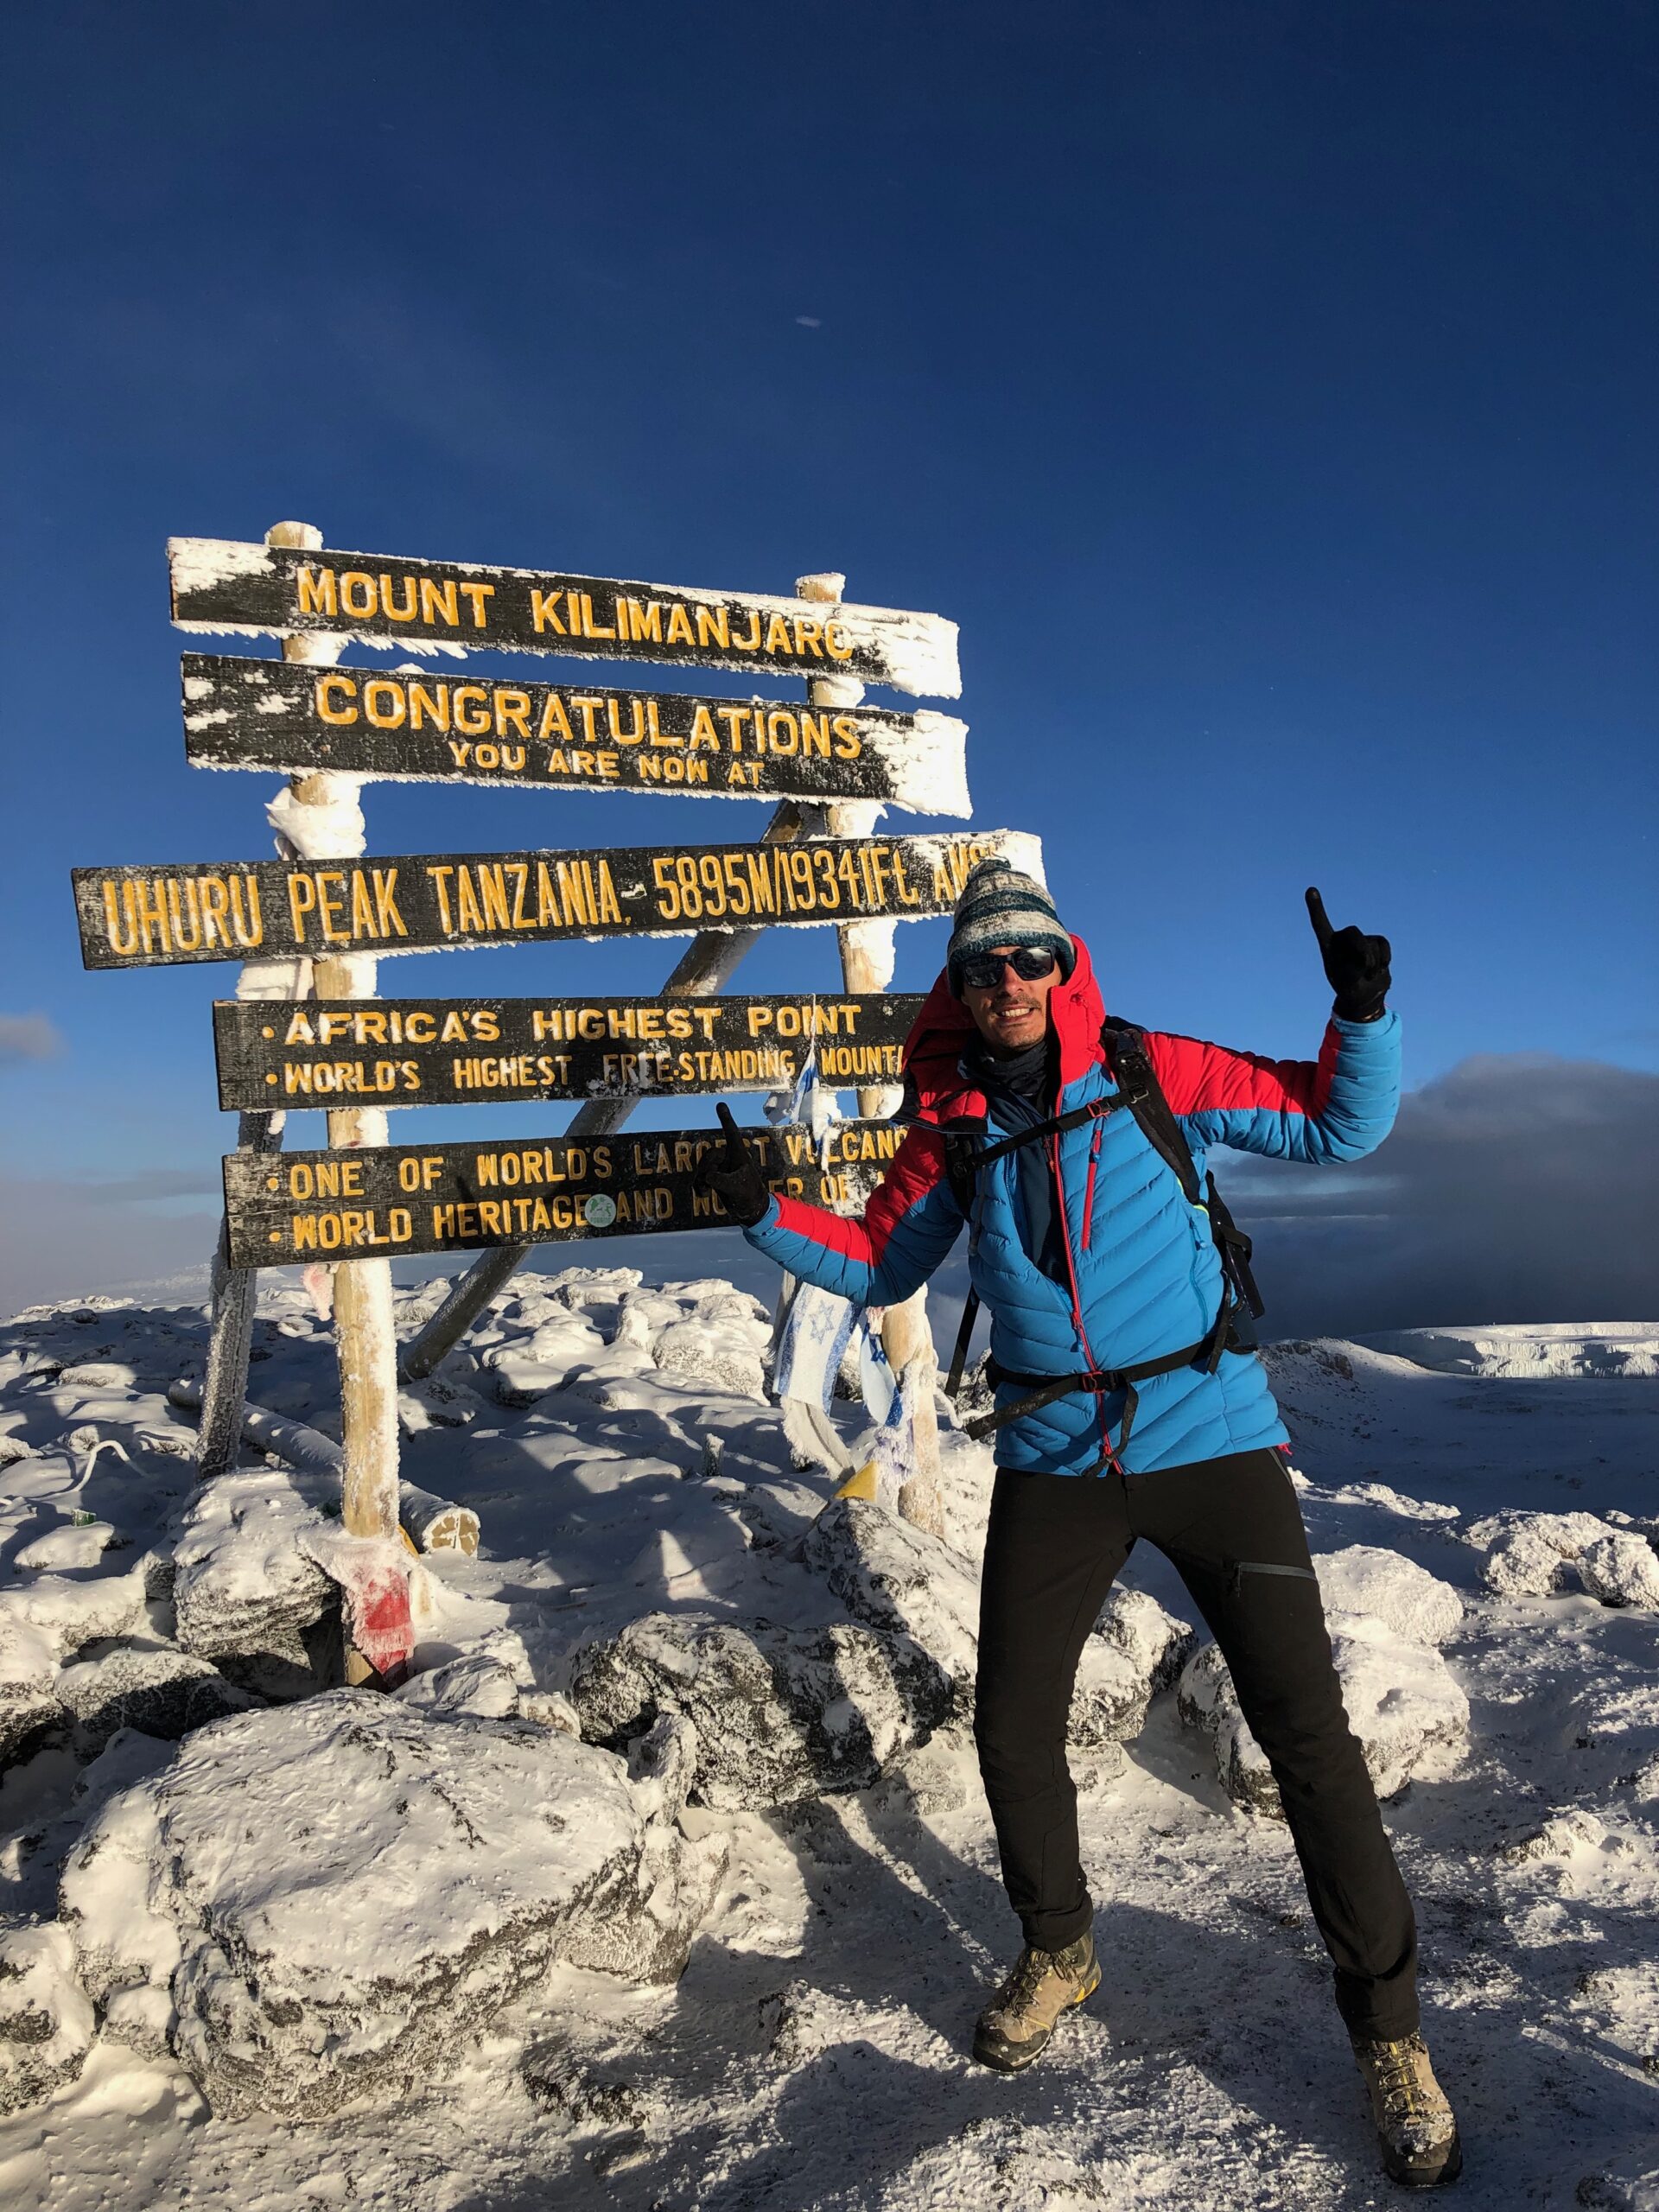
(473,1051)
(514,1191)
(166,914)
(321,822)
(319,918)
(408,728)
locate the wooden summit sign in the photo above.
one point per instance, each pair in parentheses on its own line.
(257,590)
(465,1052)
(283,715)
(270,910)
(291,1207)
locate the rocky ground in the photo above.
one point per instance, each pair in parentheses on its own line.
(667,1883)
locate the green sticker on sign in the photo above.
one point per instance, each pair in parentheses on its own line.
(599,1211)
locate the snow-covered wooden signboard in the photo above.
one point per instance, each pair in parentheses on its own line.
(386,1200)
(471,1052)
(446,728)
(226,587)
(147,917)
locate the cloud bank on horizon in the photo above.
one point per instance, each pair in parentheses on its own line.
(1515,1188)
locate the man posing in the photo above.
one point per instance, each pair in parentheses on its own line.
(1095,1266)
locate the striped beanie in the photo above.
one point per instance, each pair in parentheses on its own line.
(999,905)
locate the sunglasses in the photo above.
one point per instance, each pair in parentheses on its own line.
(983,971)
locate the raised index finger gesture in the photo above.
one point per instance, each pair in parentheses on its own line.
(1320,919)
(1356,965)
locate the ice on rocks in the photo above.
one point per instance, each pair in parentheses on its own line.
(897,1577)
(714,1353)
(337,1892)
(894,1576)
(46,2021)
(1134,1649)
(1367,1578)
(780,1714)
(1403,1705)
(1548,1554)
(153,1688)
(72,1546)
(1621,1569)
(244,1587)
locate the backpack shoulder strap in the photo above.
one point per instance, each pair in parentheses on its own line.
(1131,1070)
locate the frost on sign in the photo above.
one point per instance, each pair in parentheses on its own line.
(222,586)
(235,909)
(456,1197)
(460,1052)
(411,726)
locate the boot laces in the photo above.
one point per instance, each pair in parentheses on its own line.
(1405,2096)
(1030,1969)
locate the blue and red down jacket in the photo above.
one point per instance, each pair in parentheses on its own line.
(1145,1277)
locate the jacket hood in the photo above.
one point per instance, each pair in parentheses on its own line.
(945,1028)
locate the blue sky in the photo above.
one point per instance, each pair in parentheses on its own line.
(1265,388)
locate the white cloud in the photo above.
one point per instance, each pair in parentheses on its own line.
(27,1036)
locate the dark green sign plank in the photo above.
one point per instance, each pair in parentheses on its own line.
(263,590)
(445,728)
(300,1206)
(270,910)
(460,1052)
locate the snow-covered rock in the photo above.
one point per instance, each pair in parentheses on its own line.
(1134,1649)
(1402,1704)
(244,1588)
(328,1896)
(29,1670)
(154,1687)
(71,1546)
(1366,1579)
(1547,1554)
(47,1620)
(892,1575)
(780,1714)
(898,1577)
(1621,1569)
(711,1352)
(46,2021)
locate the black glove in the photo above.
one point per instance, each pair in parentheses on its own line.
(1357,965)
(731,1171)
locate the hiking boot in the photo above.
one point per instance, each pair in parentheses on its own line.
(1414,2123)
(1017,2024)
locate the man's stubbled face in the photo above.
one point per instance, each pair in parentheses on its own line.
(1012,1015)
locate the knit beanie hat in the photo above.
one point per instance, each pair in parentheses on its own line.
(999,905)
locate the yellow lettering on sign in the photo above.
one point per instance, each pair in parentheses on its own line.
(679,627)
(438,603)
(326,709)
(714,627)
(513,713)
(390,607)
(471,717)
(439,883)
(834,642)
(544,614)
(619,735)
(384,703)
(777,637)
(477,594)
(637,621)
(316,592)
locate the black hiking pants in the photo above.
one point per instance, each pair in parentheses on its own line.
(1053,1546)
